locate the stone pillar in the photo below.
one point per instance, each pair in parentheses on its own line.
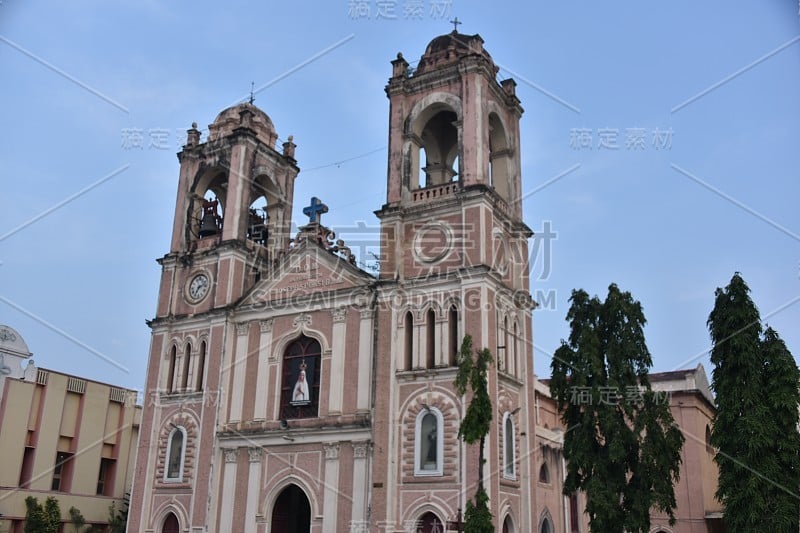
(330,501)
(360,485)
(228,489)
(253,489)
(364,359)
(264,350)
(337,360)
(239,362)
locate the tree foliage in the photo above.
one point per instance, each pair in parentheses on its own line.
(755,380)
(621,445)
(118,517)
(472,375)
(42,519)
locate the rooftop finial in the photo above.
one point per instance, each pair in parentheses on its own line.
(252,96)
(455,22)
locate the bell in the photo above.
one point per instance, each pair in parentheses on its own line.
(208,226)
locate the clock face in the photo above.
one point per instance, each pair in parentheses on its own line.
(198,287)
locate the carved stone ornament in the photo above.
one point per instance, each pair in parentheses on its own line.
(360,450)
(340,314)
(231,454)
(332,450)
(242,328)
(302,319)
(266,325)
(255,454)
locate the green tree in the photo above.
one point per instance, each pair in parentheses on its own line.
(472,374)
(755,380)
(42,519)
(118,518)
(77,519)
(621,445)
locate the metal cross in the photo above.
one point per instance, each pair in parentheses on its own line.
(455,22)
(315,210)
(252,96)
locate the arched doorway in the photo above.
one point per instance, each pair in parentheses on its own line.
(171,524)
(429,523)
(292,512)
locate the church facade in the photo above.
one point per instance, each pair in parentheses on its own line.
(290,390)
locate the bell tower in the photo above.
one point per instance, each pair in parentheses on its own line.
(454,262)
(232,214)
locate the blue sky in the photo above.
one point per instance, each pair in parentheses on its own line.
(711,188)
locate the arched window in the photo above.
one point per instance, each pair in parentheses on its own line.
(428,443)
(436,156)
(170,524)
(300,389)
(544,474)
(452,330)
(201,366)
(187,357)
(430,348)
(408,356)
(547,526)
(173,355)
(509,451)
(176,454)
(508,525)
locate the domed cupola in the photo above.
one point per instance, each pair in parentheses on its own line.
(244,115)
(451,47)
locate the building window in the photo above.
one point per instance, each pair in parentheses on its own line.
(573,514)
(544,474)
(105,478)
(428,443)
(27,467)
(61,472)
(546,526)
(452,330)
(301,377)
(430,332)
(201,366)
(408,327)
(509,460)
(176,453)
(187,357)
(173,355)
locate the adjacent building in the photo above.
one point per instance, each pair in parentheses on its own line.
(62,436)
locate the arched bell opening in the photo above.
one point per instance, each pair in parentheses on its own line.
(499,158)
(207,205)
(436,147)
(263,211)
